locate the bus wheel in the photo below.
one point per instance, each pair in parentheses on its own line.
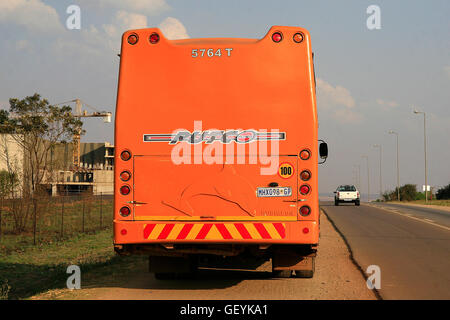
(281,273)
(164,275)
(309,273)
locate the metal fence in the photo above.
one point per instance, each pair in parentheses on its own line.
(47,219)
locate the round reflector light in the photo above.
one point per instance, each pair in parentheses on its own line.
(305,230)
(125,211)
(277,37)
(123,232)
(125,155)
(125,190)
(298,37)
(154,38)
(304,154)
(305,211)
(125,176)
(305,175)
(133,39)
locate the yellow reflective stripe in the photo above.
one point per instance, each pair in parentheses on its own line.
(213,234)
(233,231)
(156,231)
(272,231)
(175,231)
(194,231)
(252,230)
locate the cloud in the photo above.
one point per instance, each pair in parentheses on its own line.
(147,7)
(347,116)
(33,15)
(328,96)
(125,21)
(173,29)
(387,103)
(447,71)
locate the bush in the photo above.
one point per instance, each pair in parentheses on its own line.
(408,192)
(443,193)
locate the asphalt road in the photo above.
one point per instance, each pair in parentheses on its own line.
(411,245)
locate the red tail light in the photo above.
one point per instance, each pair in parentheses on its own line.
(305,154)
(277,37)
(125,190)
(304,189)
(124,211)
(125,155)
(125,176)
(305,230)
(305,175)
(338,194)
(133,39)
(305,211)
(123,232)
(154,38)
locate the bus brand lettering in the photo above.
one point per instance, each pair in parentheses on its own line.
(209,136)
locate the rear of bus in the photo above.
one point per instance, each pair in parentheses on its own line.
(216,149)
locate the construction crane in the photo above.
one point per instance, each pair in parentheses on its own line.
(80,113)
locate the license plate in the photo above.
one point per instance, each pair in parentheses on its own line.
(274,192)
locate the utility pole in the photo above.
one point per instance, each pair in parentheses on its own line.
(381,185)
(398,170)
(425,152)
(368,183)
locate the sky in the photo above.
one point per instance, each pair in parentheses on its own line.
(368,81)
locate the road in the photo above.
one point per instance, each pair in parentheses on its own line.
(336,277)
(411,245)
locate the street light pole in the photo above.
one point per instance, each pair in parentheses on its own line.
(368,183)
(381,186)
(425,152)
(398,171)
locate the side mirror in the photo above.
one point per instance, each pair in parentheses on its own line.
(334,191)
(323,150)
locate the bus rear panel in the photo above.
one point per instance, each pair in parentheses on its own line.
(216,145)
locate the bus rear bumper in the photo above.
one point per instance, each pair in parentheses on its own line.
(238,233)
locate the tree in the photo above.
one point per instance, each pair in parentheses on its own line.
(38,127)
(443,193)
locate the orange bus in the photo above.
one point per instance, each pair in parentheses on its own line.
(217,152)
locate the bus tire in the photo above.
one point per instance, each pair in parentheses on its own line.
(282,273)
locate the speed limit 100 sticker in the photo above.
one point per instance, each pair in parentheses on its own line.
(286,170)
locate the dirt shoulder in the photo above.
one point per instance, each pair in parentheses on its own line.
(336,277)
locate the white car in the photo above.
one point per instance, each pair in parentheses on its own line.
(346,193)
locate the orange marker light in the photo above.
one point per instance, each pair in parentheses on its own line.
(125,176)
(133,39)
(298,37)
(305,175)
(125,155)
(304,154)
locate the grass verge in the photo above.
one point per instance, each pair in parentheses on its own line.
(42,268)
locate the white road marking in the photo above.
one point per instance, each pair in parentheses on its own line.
(411,217)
